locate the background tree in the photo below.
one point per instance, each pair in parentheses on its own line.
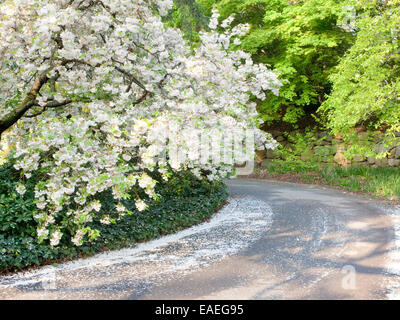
(366,83)
(303,40)
(189,17)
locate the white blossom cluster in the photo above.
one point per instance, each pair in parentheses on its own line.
(118,91)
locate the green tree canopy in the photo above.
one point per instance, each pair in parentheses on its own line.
(367,80)
(188,16)
(303,40)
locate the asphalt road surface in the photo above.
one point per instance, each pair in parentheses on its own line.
(272,241)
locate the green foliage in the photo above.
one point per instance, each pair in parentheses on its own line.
(379,182)
(366,83)
(304,153)
(374,182)
(183,201)
(16,214)
(188,16)
(303,40)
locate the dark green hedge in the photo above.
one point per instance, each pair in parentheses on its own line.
(185,201)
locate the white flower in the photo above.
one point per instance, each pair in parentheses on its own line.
(145,181)
(41,205)
(42,232)
(95,205)
(55,238)
(50,219)
(214,19)
(20,189)
(140,125)
(120,207)
(237,41)
(78,237)
(105,220)
(141,205)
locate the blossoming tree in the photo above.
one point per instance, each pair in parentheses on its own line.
(91,91)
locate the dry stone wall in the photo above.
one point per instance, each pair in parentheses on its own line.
(331,149)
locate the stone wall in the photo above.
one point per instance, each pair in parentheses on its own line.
(330,149)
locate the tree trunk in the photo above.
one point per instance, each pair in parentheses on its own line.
(18,112)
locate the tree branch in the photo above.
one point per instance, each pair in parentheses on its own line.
(50,105)
(18,112)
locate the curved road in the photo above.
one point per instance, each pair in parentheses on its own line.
(272,241)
